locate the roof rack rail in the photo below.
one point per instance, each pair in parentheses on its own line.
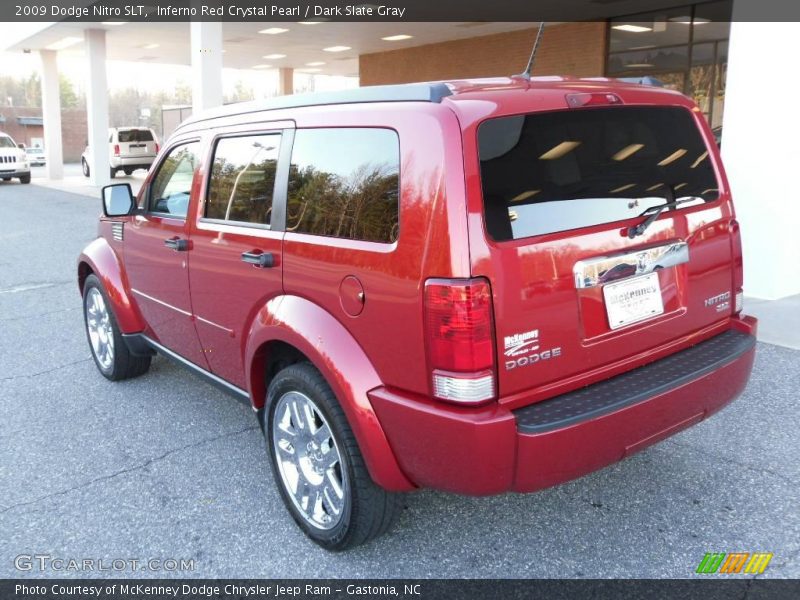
(409,92)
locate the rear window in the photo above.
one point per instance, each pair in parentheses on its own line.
(344,183)
(549,172)
(135,135)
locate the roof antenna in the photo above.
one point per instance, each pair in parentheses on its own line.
(527,72)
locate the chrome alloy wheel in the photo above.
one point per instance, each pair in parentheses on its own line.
(98,324)
(308,460)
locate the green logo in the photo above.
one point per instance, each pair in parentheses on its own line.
(734,562)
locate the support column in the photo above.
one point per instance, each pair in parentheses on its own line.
(51,115)
(285,81)
(761,152)
(97,107)
(206,65)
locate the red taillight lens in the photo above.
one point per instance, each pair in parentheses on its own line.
(595,99)
(738,264)
(116,149)
(460,339)
(157,147)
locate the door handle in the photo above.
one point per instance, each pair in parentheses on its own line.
(262,260)
(177,244)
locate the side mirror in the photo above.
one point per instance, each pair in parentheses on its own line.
(117,200)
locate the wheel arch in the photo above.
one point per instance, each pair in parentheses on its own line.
(290,329)
(100,259)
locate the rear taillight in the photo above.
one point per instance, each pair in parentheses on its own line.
(592,99)
(157,147)
(116,149)
(738,265)
(460,339)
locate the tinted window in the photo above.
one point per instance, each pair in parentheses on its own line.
(135,135)
(172,185)
(344,183)
(243,178)
(6,142)
(556,171)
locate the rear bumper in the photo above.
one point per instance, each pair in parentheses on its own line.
(132,162)
(492,450)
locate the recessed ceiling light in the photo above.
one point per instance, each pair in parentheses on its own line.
(622,188)
(336,48)
(114,23)
(627,151)
(64,43)
(639,65)
(273,56)
(310,22)
(688,20)
(397,38)
(150,46)
(524,195)
(274,30)
(559,150)
(632,28)
(316,63)
(672,157)
(261,67)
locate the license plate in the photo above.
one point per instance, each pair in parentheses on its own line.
(633,300)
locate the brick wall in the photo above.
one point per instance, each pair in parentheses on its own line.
(22,134)
(567,49)
(73,133)
(73,128)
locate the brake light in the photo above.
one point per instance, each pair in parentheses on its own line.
(738,264)
(116,149)
(460,339)
(592,99)
(157,147)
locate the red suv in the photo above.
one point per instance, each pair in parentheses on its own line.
(474,286)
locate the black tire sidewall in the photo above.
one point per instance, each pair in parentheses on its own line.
(291,379)
(93,282)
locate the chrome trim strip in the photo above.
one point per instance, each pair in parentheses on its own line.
(217,325)
(213,379)
(161,302)
(593,272)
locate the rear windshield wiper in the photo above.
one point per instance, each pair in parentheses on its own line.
(636,230)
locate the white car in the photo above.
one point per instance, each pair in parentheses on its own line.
(36,156)
(13,160)
(130,148)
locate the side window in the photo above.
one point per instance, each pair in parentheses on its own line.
(243,179)
(172,185)
(344,183)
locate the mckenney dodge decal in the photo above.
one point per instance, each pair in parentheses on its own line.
(522,350)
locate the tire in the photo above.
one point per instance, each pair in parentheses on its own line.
(101,327)
(6,178)
(367,510)
(128,172)
(113,172)
(85,167)
(25,178)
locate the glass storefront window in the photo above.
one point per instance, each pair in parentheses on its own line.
(685,48)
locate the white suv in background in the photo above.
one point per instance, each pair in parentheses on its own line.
(130,148)
(13,160)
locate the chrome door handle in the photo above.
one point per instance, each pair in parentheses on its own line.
(262,260)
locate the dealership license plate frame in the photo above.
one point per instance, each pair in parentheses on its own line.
(633,300)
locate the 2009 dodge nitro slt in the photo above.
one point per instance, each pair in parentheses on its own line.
(475,286)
